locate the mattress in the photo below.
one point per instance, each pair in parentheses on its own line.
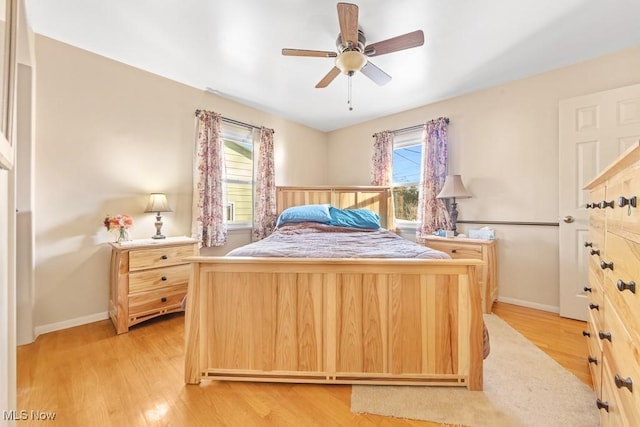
(316,240)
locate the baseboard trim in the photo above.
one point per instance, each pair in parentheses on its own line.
(78,321)
(529,304)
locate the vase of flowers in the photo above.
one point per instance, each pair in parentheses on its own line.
(119,224)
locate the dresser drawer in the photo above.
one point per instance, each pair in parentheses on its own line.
(457,250)
(159,257)
(159,300)
(595,300)
(146,280)
(625,255)
(622,353)
(620,190)
(615,414)
(594,358)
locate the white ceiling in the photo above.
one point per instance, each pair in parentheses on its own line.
(234,47)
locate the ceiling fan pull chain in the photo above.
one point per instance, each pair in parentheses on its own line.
(349,92)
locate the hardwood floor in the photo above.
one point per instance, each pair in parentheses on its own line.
(88,376)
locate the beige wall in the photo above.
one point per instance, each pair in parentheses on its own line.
(107,134)
(504,143)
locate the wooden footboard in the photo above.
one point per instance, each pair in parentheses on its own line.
(337,321)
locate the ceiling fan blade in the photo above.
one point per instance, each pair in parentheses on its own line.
(375,74)
(406,41)
(328,78)
(348,19)
(305,52)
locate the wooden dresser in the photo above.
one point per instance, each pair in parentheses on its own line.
(485,250)
(613,330)
(149,278)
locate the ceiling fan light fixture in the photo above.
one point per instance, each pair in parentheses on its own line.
(351,61)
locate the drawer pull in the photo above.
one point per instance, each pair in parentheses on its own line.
(164,257)
(605,335)
(590,205)
(592,359)
(604,204)
(624,382)
(163,299)
(631,286)
(604,265)
(163,278)
(602,405)
(593,306)
(588,244)
(586,289)
(595,251)
(453,251)
(632,202)
(586,333)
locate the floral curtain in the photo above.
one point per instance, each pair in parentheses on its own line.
(264,216)
(382,158)
(432,212)
(209,198)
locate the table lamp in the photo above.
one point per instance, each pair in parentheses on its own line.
(158,203)
(453,188)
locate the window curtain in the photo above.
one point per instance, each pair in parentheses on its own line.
(264,216)
(432,212)
(209,199)
(382,158)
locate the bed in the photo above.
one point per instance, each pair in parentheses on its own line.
(338,318)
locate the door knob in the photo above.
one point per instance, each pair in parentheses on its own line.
(568,219)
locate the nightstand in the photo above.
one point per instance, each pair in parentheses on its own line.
(148,278)
(485,250)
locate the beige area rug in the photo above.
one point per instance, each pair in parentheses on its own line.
(522,387)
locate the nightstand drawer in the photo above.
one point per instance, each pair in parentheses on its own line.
(160,300)
(457,250)
(160,257)
(147,280)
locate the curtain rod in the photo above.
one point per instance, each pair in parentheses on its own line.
(414,127)
(235,122)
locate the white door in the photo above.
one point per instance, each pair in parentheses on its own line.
(594,130)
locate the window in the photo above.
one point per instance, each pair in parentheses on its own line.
(238,164)
(407,159)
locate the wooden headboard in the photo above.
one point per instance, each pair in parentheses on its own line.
(375,198)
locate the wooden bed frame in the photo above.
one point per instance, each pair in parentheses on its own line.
(336,321)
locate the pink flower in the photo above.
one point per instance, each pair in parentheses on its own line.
(118,221)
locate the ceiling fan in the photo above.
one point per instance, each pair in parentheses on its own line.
(353,52)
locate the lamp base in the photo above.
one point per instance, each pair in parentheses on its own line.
(454,216)
(158,225)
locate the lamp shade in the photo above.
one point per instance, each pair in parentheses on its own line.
(453,188)
(158,203)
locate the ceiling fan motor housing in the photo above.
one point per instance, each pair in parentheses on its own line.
(342,47)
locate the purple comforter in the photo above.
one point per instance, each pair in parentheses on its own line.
(315,240)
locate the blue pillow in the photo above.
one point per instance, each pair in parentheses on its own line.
(354,218)
(305,213)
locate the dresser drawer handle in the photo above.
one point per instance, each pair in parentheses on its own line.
(163,299)
(594,306)
(605,204)
(632,202)
(631,286)
(590,205)
(586,289)
(592,359)
(604,265)
(605,335)
(595,252)
(164,257)
(602,405)
(586,333)
(624,382)
(453,251)
(588,244)
(163,278)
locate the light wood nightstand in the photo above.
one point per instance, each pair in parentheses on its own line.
(485,250)
(149,278)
